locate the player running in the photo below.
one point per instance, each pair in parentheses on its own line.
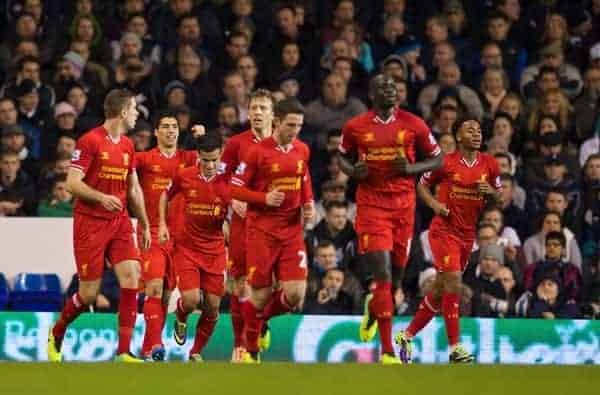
(260,115)
(386,141)
(156,169)
(199,256)
(464,189)
(273,179)
(103,180)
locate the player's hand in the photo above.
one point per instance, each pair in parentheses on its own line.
(275,198)
(146,238)
(163,234)
(111,203)
(226,231)
(198,130)
(399,297)
(308,212)
(440,209)
(323,296)
(485,188)
(361,170)
(239,207)
(401,165)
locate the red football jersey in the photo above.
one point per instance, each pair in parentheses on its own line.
(106,164)
(457,180)
(235,147)
(206,203)
(267,166)
(378,143)
(156,171)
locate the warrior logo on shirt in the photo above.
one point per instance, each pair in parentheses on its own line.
(156,168)
(104,155)
(455,177)
(192,193)
(369,137)
(275,168)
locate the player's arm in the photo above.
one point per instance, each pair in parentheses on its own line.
(163,209)
(350,164)
(244,175)
(136,202)
(308,203)
(427,146)
(83,191)
(424,190)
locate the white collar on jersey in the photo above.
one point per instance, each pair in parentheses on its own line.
(112,140)
(285,148)
(390,119)
(168,156)
(470,164)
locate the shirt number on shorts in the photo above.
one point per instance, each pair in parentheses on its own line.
(303,263)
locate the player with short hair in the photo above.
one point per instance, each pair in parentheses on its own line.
(103,180)
(379,148)
(273,179)
(260,115)
(199,255)
(156,169)
(464,189)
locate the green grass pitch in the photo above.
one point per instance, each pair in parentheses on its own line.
(296,379)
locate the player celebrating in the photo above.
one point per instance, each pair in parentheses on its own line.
(260,115)
(156,168)
(464,189)
(103,179)
(386,140)
(273,179)
(199,255)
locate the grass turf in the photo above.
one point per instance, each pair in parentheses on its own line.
(301,379)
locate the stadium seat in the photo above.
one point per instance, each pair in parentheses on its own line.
(36,292)
(4,292)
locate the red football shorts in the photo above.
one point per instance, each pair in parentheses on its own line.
(191,273)
(284,258)
(450,252)
(237,247)
(157,263)
(97,239)
(380,229)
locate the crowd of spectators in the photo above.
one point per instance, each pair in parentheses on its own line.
(528,70)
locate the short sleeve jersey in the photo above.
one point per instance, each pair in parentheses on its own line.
(267,166)
(378,142)
(458,190)
(156,172)
(106,164)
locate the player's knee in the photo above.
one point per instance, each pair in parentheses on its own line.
(295,298)
(452,283)
(153,291)
(190,302)
(88,296)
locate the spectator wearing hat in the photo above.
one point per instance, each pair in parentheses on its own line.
(554,178)
(71,68)
(489,297)
(552,56)
(136,22)
(17,192)
(549,144)
(534,248)
(174,94)
(549,301)
(587,106)
(555,264)
(30,68)
(336,227)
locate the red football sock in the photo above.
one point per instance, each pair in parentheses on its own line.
(204,329)
(451,312)
(127,314)
(427,310)
(277,305)
(180,312)
(153,315)
(382,308)
(253,320)
(73,307)
(237,320)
